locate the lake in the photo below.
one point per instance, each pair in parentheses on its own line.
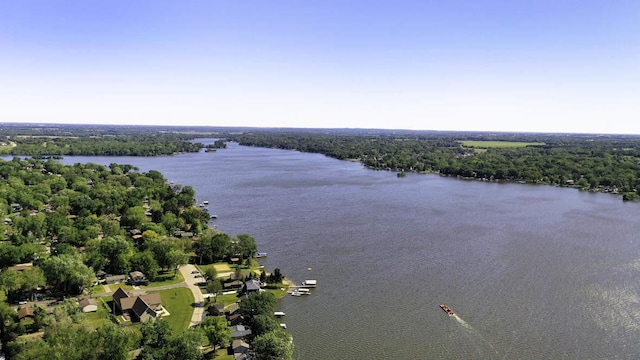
(533,272)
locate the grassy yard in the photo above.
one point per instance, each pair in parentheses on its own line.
(221,354)
(221,267)
(179,303)
(497,144)
(124,286)
(98,318)
(165,279)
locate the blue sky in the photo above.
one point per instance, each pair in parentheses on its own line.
(551,66)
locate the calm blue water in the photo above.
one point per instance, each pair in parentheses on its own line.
(533,272)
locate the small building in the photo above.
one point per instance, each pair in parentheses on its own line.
(115,279)
(88,305)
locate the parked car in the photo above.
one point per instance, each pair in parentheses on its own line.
(195,272)
(22,302)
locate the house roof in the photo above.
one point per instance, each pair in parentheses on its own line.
(120,294)
(239,331)
(136,275)
(252,285)
(86,302)
(116,278)
(139,306)
(152,300)
(235,344)
(21,267)
(233,308)
(25,311)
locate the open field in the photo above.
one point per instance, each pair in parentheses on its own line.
(498,144)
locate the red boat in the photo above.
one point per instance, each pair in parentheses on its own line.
(447,309)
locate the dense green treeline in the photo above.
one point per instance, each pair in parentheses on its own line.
(92,140)
(98,146)
(595,162)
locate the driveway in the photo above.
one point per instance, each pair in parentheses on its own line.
(191,281)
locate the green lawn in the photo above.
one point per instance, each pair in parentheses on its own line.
(498,144)
(165,279)
(221,267)
(122,285)
(179,303)
(98,318)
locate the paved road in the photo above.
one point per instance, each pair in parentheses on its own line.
(191,281)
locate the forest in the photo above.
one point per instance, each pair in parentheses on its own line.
(62,225)
(95,140)
(603,163)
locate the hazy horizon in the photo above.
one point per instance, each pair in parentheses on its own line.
(486,65)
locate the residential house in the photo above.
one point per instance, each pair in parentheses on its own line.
(232,308)
(216,309)
(235,284)
(240,349)
(251,286)
(143,311)
(140,308)
(137,278)
(239,332)
(26,312)
(235,319)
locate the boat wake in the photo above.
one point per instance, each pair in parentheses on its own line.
(462,322)
(473,335)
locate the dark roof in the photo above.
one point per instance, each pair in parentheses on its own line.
(239,331)
(252,285)
(139,307)
(87,302)
(120,294)
(152,300)
(25,312)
